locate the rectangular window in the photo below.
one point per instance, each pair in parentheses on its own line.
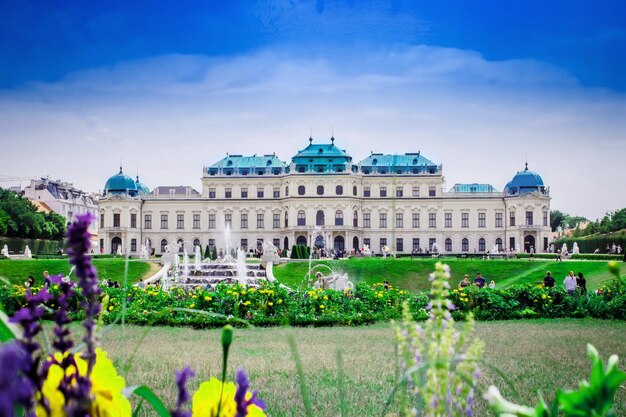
(416,191)
(244,220)
(244,245)
(276,242)
(228,220)
(464,219)
(163,221)
(211,192)
(447,220)
(399,220)
(180,221)
(383,243)
(366,242)
(259,221)
(276,194)
(244,193)
(383,220)
(211,221)
(512,243)
(432,220)
(399,244)
(228,193)
(416,244)
(147,221)
(512,218)
(366,220)
(101,220)
(482,219)
(383,191)
(276,221)
(399,192)
(133,220)
(529,218)
(416,221)
(116,220)
(259,193)
(498,219)
(133,245)
(432,192)
(545,218)
(211,244)
(366,191)
(545,244)
(431,243)
(196,221)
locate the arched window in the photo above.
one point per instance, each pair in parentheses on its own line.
(301,240)
(196,242)
(354,190)
(320,190)
(286,220)
(465,245)
(319,218)
(481,245)
(339,218)
(339,190)
(300,189)
(448,245)
(499,244)
(163,245)
(355,219)
(181,245)
(301,218)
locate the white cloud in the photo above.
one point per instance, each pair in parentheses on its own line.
(168,116)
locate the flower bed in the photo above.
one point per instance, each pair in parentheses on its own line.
(272,305)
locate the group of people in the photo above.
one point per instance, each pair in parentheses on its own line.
(479,281)
(571,282)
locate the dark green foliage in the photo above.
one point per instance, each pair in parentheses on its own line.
(588,244)
(214,253)
(20,218)
(300,252)
(207,252)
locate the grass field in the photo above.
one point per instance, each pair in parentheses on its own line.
(17,271)
(535,355)
(412,274)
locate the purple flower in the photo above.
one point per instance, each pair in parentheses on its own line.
(15,387)
(62,341)
(240,395)
(181,379)
(78,244)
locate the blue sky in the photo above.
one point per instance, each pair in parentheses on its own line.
(169,88)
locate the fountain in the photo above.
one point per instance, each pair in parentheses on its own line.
(317,232)
(241,266)
(495,250)
(435,249)
(197,257)
(118,251)
(575,248)
(366,250)
(5,251)
(27,253)
(227,240)
(185,262)
(144,252)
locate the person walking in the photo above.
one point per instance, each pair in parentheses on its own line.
(582,283)
(558,256)
(570,282)
(46,279)
(548,280)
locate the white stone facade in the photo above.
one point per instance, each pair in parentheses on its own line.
(405,212)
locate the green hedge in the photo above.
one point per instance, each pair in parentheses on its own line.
(273,305)
(581,256)
(588,244)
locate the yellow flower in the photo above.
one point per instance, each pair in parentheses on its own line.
(325,297)
(270,304)
(543,296)
(111,308)
(106,388)
(243,293)
(192,305)
(207,298)
(280,301)
(247,303)
(55,286)
(205,401)
(322,306)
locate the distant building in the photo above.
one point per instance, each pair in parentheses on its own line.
(62,198)
(393,201)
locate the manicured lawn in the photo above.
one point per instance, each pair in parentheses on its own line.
(533,354)
(412,274)
(17,271)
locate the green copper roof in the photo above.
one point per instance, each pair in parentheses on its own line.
(387,160)
(120,184)
(322,150)
(473,188)
(141,187)
(254,161)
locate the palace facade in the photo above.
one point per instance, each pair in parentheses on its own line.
(396,201)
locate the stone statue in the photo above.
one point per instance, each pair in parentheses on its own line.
(5,251)
(270,253)
(27,253)
(334,281)
(171,254)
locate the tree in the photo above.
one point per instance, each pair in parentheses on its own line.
(207,252)
(214,254)
(556,218)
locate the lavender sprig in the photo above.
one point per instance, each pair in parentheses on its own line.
(243,385)
(16,389)
(181,378)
